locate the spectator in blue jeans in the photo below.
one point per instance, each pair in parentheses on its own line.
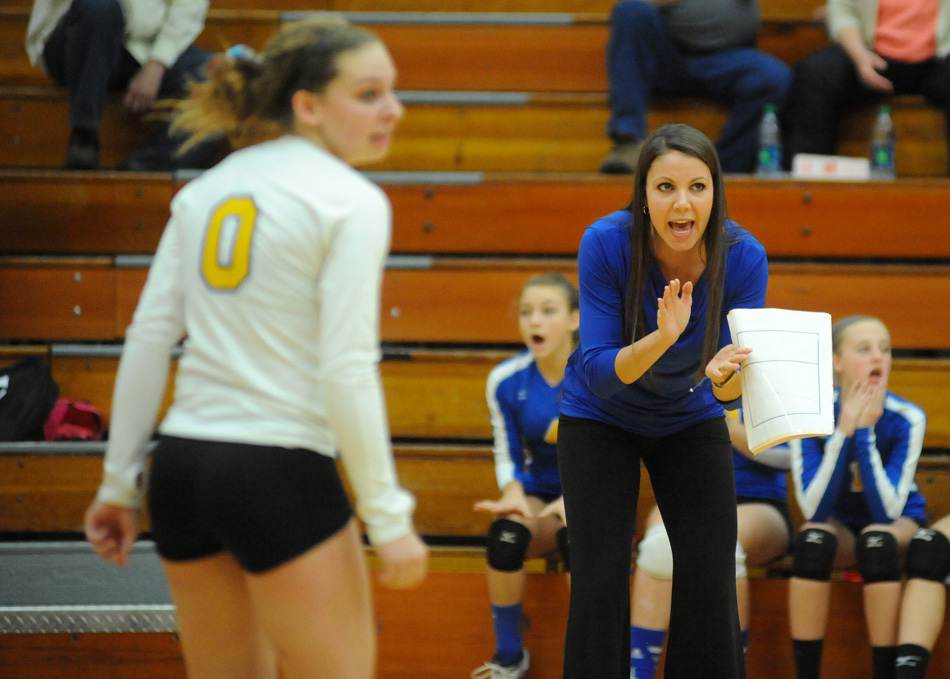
(690,47)
(141,47)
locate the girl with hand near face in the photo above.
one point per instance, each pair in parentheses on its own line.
(524,395)
(271,264)
(656,282)
(857,493)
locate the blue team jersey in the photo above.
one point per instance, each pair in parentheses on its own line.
(754,480)
(524,412)
(664,404)
(762,481)
(865,478)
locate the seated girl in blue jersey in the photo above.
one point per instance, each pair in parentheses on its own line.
(271,264)
(764,535)
(857,493)
(925,599)
(524,394)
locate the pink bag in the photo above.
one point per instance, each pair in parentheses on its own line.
(73,421)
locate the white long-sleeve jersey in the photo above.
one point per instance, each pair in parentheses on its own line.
(272,264)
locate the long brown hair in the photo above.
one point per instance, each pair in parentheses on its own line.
(692,142)
(247,96)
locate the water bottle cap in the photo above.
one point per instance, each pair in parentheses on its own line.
(770,108)
(884,108)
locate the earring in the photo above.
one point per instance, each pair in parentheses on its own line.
(645,210)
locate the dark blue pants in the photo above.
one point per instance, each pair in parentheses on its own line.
(826,83)
(693,479)
(85,54)
(643,59)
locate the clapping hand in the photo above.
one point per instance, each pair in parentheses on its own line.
(673,308)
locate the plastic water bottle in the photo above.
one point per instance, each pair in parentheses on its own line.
(770,145)
(883,145)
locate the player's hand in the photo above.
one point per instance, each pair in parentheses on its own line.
(111,530)
(672,309)
(505,506)
(862,404)
(405,562)
(555,508)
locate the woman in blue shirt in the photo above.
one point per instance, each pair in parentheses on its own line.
(656,282)
(857,493)
(524,395)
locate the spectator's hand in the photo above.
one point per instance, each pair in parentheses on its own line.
(144,86)
(555,508)
(111,529)
(405,562)
(870,66)
(672,312)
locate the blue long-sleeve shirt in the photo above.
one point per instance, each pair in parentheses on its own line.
(664,405)
(524,410)
(867,477)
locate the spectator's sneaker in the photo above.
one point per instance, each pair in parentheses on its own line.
(622,158)
(492,671)
(83,151)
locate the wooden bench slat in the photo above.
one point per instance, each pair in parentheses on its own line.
(49,493)
(546,134)
(419,633)
(57,212)
(567,58)
(797,10)
(472,303)
(441,397)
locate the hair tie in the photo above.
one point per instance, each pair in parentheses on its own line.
(243,53)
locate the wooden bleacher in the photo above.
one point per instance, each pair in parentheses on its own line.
(492,177)
(485,92)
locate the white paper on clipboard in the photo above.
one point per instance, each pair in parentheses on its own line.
(787,381)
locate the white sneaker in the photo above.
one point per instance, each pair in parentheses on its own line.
(492,671)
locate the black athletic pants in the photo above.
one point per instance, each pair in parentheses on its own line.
(692,476)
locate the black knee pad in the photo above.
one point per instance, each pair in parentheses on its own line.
(928,556)
(814,554)
(507,543)
(564,547)
(879,559)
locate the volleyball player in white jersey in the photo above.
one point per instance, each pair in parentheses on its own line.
(271,264)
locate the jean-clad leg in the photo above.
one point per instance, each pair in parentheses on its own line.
(744,80)
(641,58)
(600,477)
(693,479)
(158,150)
(82,54)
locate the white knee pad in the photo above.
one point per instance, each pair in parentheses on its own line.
(741,570)
(656,555)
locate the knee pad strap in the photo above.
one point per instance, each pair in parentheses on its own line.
(928,556)
(878,557)
(507,543)
(814,554)
(655,554)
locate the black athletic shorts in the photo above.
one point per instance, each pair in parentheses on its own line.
(782,508)
(265,505)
